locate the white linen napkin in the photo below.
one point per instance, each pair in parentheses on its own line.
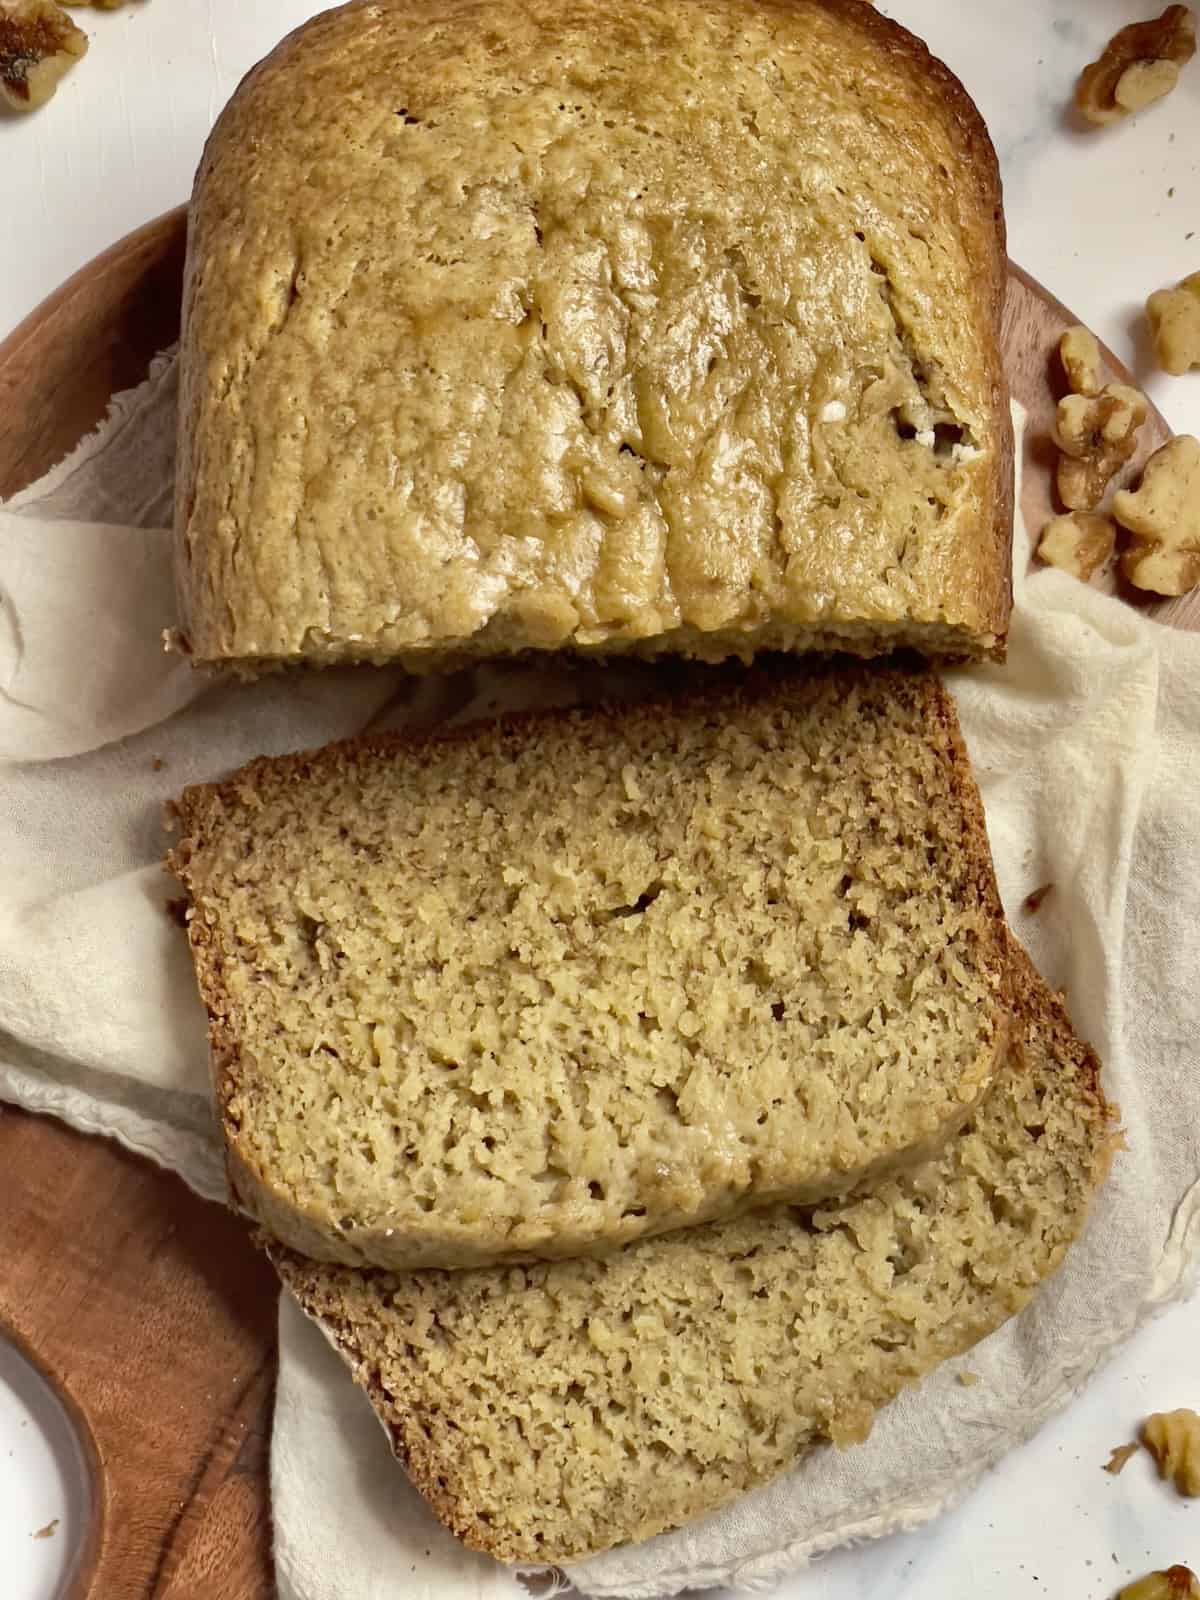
(1087,750)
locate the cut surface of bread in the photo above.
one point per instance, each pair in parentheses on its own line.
(548,984)
(552,1411)
(623,325)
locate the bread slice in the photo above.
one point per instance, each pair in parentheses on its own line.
(553,983)
(625,325)
(550,1412)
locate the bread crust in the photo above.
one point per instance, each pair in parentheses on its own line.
(217,530)
(986,224)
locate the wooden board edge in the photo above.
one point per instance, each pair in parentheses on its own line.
(91,338)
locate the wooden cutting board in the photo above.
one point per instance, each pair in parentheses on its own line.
(145,1307)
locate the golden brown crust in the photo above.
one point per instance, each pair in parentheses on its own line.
(973,583)
(985,222)
(986,225)
(425,1449)
(984,872)
(1043,1017)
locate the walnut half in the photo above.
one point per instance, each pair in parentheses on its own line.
(1079,543)
(38,44)
(1097,434)
(1140,65)
(1173,1439)
(1080,354)
(1163,515)
(1175,323)
(1176,1583)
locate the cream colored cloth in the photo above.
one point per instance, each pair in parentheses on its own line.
(1087,749)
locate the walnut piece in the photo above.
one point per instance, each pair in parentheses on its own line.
(1097,434)
(1140,65)
(1119,1459)
(1079,543)
(1175,323)
(1081,361)
(1173,1439)
(1176,1583)
(1163,515)
(38,44)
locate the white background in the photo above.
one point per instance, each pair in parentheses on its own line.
(1101,217)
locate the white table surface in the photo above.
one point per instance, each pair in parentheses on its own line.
(1101,218)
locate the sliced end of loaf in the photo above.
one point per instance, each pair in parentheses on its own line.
(563,981)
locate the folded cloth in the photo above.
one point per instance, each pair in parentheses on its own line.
(1086,746)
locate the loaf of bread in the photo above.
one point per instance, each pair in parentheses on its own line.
(552,983)
(625,325)
(553,1411)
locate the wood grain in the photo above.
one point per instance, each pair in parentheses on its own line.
(91,338)
(146,1307)
(154,1319)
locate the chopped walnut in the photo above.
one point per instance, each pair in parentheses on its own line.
(1140,65)
(1097,434)
(1035,899)
(1079,543)
(1175,323)
(1119,1459)
(38,44)
(1163,515)
(1176,1583)
(1080,354)
(1173,1439)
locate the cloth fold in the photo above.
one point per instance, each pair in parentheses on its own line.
(1087,750)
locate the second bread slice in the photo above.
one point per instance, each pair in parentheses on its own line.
(551,984)
(550,1412)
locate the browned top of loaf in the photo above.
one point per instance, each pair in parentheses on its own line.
(549,1412)
(557,982)
(611,325)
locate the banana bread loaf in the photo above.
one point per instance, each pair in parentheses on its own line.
(624,325)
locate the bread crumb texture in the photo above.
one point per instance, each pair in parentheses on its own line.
(610,326)
(550,984)
(555,1410)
